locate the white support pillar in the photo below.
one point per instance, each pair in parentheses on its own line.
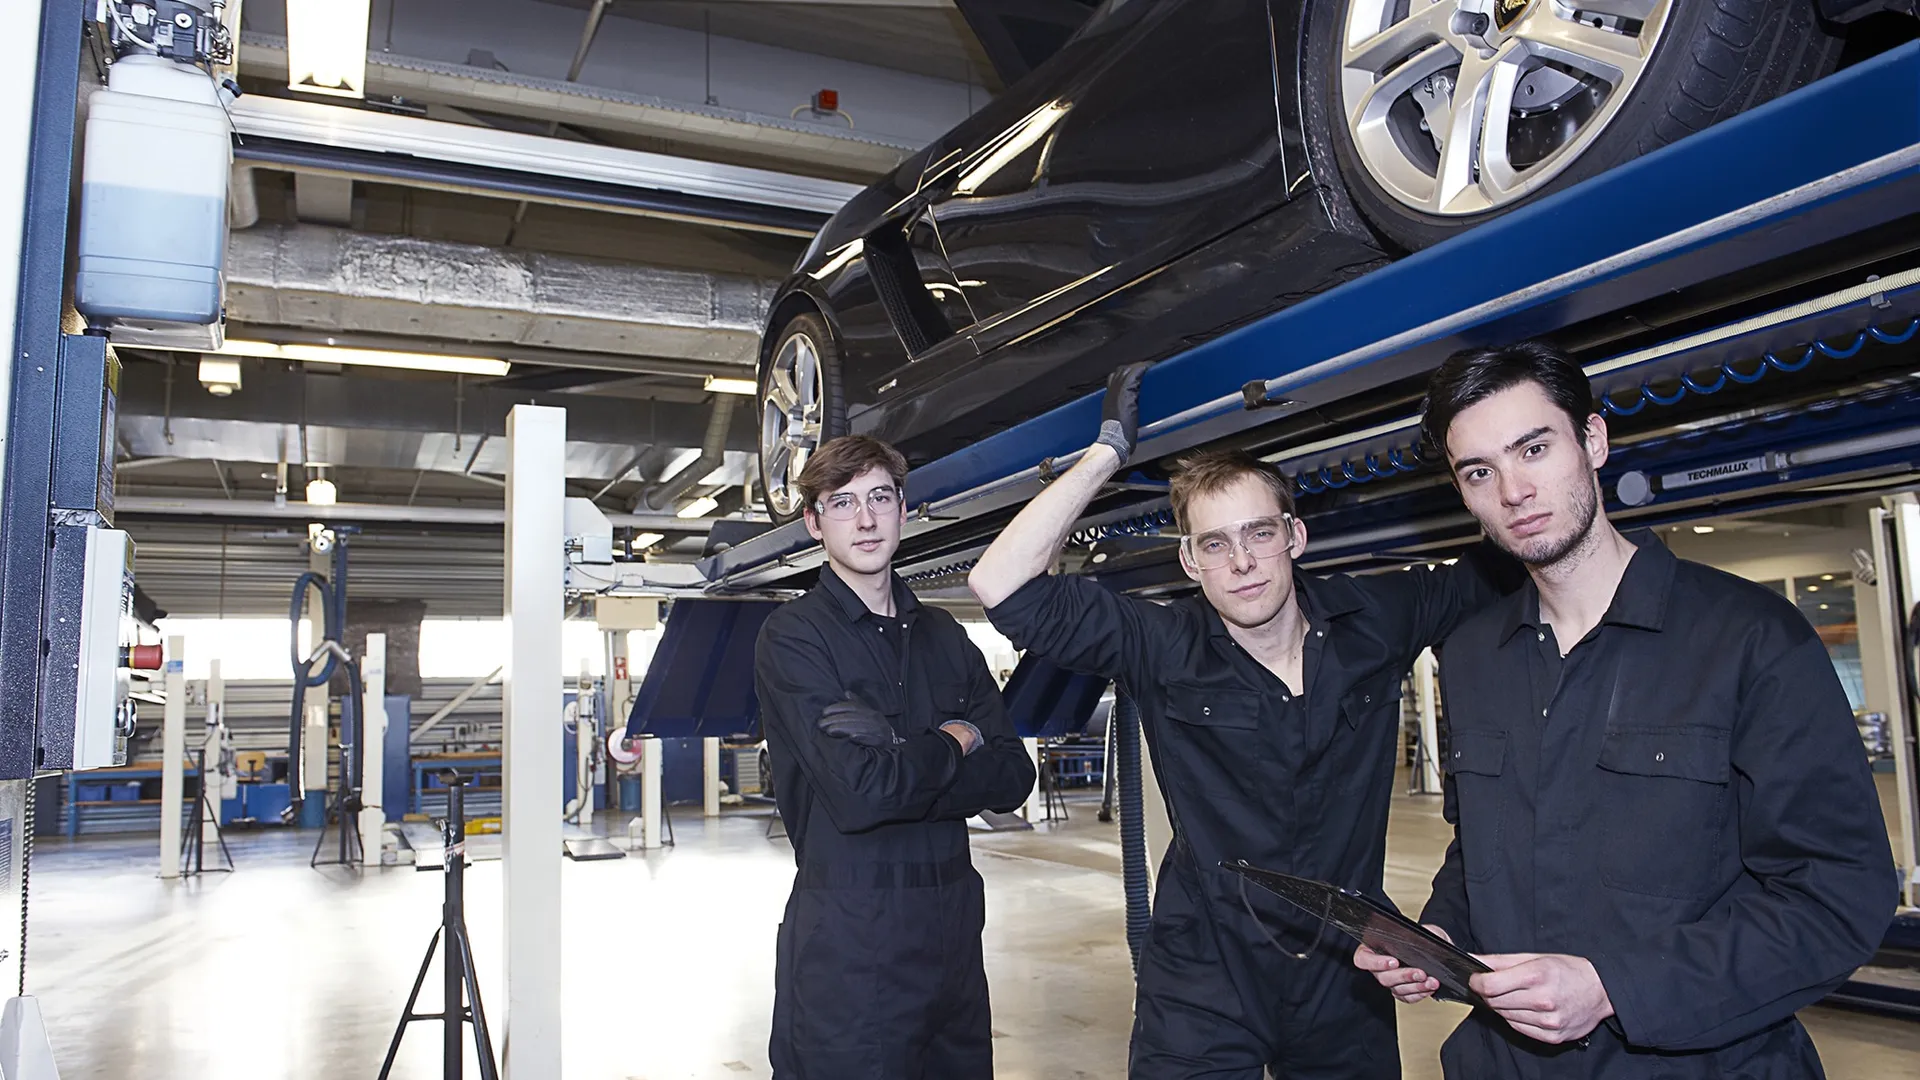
(710,767)
(1153,813)
(531,802)
(1035,807)
(652,773)
(373,747)
(213,781)
(314,754)
(1904,552)
(1426,695)
(173,753)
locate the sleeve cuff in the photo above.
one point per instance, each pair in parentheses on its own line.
(978,742)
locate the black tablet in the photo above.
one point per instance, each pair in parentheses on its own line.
(1376,926)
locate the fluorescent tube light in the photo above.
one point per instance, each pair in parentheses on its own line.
(327,46)
(644,541)
(322,493)
(699,507)
(386,358)
(718,385)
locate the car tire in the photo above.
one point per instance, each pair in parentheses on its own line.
(798,412)
(1712,60)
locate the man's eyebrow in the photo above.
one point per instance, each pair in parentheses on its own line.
(1509,448)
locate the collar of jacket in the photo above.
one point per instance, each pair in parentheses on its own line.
(1639,602)
(1319,598)
(904,602)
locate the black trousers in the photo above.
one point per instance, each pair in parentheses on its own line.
(882,983)
(1217,1001)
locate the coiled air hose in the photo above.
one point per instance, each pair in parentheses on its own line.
(1133,826)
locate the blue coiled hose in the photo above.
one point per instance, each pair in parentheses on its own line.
(333,610)
(1133,826)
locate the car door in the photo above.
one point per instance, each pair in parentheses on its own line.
(1164,136)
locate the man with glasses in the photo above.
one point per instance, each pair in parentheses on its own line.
(1270,704)
(886,733)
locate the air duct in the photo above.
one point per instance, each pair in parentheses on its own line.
(661,496)
(334,280)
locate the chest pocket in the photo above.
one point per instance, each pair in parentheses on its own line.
(1666,792)
(1371,697)
(949,701)
(1476,762)
(1214,707)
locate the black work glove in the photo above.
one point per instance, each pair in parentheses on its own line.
(1120,410)
(855,720)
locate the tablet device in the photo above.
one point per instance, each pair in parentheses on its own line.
(1376,926)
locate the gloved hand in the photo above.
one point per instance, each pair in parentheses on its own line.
(1120,410)
(858,722)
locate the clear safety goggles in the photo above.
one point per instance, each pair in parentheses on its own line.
(1261,538)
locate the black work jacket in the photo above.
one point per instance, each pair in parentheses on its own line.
(1249,770)
(1683,800)
(844,803)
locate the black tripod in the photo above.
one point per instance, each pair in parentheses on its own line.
(459,959)
(343,806)
(193,859)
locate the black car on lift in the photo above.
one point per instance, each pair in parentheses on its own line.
(1181,167)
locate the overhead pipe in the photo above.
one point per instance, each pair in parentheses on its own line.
(713,448)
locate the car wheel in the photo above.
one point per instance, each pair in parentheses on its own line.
(801,406)
(1444,114)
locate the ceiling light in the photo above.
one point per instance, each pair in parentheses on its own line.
(698,507)
(321,492)
(643,541)
(718,385)
(1826,577)
(1702,530)
(1813,588)
(1823,607)
(386,358)
(327,46)
(219,375)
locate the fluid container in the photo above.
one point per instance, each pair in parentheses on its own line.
(153,196)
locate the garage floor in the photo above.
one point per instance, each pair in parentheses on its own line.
(283,971)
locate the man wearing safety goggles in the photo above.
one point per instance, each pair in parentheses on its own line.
(1270,706)
(886,733)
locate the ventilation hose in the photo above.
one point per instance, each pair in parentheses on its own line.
(1133,826)
(333,611)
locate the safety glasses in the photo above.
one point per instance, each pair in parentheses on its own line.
(1260,538)
(845,505)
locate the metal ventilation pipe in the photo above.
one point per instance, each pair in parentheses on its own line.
(713,448)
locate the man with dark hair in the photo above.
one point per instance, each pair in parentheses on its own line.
(886,733)
(1270,704)
(1666,839)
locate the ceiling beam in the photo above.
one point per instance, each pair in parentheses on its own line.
(354,513)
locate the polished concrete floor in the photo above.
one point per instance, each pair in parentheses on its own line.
(282,971)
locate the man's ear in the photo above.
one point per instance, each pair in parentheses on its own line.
(1598,446)
(1193,571)
(1297,544)
(813,523)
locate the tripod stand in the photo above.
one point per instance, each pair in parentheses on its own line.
(193,861)
(459,960)
(343,806)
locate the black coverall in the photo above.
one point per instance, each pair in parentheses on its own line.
(1682,800)
(879,973)
(1250,772)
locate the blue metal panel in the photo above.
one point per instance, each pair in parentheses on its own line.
(32,407)
(700,681)
(396,769)
(1826,161)
(1045,700)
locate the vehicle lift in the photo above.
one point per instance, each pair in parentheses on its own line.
(1772,260)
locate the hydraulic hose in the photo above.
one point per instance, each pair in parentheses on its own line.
(1133,827)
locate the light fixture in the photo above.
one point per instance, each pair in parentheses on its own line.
(1702,530)
(321,492)
(219,375)
(719,385)
(698,507)
(386,358)
(1826,577)
(643,541)
(327,46)
(1813,588)
(1823,607)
